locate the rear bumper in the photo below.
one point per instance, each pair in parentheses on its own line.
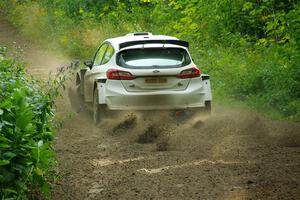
(117,98)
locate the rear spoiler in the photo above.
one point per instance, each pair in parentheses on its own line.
(176,42)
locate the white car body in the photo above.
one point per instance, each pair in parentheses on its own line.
(152,88)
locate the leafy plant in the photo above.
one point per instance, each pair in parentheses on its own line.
(26,131)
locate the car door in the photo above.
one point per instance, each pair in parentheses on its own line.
(93,72)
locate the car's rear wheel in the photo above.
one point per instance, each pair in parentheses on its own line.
(207,108)
(98,109)
(78,85)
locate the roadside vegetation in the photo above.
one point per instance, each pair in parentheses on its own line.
(26,131)
(250,48)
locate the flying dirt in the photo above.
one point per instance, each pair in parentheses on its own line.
(232,154)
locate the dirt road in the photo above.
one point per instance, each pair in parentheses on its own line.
(234,154)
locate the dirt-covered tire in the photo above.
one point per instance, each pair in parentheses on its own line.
(207,108)
(78,85)
(76,100)
(98,111)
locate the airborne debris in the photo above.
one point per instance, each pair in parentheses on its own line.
(128,123)
(198,124)
(149,136)
(163,143)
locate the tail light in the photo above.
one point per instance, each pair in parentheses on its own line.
(189,73)
(115,74)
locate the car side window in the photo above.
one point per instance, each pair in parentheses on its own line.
(99,55)
(108,54)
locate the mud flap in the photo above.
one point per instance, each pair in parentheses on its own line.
(101,90)
(207,88)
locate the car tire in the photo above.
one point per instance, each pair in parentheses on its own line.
(98,111)
(207,108)
(78,85)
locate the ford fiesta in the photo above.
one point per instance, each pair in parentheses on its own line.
(141,71)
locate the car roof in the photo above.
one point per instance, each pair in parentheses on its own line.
(115,42)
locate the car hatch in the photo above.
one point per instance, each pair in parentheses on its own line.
(154,79)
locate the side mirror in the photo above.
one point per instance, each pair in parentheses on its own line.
(88,63)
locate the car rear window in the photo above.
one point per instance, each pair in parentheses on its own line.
(153,58)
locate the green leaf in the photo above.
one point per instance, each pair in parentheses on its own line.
(6,104)
(8,123)
(38,172)
(46,189)
(3,139)
(40,143)
(24,118)
(11,191)
(4,146)
(4,162)
(9,155)
(1,112)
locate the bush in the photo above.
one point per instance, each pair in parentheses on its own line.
(26,132)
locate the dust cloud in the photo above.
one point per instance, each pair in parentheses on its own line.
(223,126)
(231,154)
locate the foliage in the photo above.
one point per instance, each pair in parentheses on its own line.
(249,47)
(26,131)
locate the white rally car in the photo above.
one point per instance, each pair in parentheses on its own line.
(141,71)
